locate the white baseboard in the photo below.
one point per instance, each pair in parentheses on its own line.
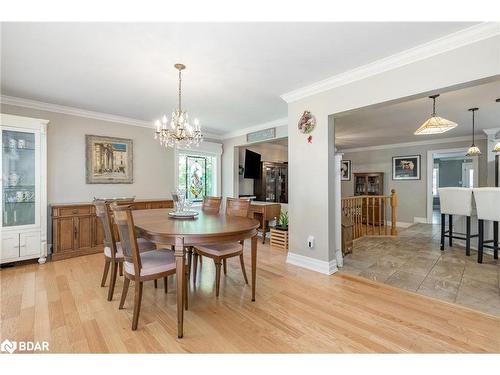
(312,264)
(420,220)
(402,224)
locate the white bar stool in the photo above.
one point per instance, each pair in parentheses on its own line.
(488,208)
(455,201)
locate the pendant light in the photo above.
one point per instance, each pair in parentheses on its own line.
(435,124)
(473,149)
(496,148)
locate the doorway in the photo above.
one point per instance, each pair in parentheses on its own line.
(448,168)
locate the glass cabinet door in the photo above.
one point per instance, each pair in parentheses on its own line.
(18,175)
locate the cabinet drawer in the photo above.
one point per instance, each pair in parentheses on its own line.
(70,211)
(10,246)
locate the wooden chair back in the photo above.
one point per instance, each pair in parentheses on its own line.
(237,207)
(128,238)
(211,205)
(101,210)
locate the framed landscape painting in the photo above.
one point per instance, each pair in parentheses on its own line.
(345,170)
(406,167)
(109,160)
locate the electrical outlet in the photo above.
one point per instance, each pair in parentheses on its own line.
(310,242)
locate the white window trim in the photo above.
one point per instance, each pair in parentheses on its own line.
(204,149)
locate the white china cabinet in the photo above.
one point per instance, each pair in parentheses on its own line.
(23,218)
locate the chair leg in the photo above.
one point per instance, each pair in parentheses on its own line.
(224,264)
(156,283)
(105,272)
(126,283)
(165,284)
(121,268)
(195,266)
(467,236)
(495,239)
(443,226)
(242,263)
(189,258)
(112,281)
(264,232)
(217,276)
(137,304)
(186,286)
(450,230)
(480,225)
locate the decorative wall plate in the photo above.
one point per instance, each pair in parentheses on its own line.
(307,123)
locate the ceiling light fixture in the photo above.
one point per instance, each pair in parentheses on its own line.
(496,148)
(179,131)
(473,149)
(435,124)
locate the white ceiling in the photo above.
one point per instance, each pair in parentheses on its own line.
(396,123)
(235,71)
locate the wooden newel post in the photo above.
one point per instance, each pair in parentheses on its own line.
(394,204)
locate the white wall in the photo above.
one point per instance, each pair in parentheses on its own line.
(269,152)
(311,198)
(153,164)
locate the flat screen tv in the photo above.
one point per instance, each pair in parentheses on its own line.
(252,164)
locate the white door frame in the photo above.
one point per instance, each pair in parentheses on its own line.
(430,167)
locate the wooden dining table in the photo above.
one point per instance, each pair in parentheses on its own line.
(206,229)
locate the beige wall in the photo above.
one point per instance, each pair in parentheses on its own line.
(412,195)
(269,152)
(312,201)
(153,164)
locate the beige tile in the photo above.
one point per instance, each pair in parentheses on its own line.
(439,288)
(447,271)
(376,275)
(405,280)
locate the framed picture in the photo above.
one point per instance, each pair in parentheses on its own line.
(109,160)
(406,167)
(345,170)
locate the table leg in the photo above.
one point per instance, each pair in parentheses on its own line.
(254,265)
(180,280)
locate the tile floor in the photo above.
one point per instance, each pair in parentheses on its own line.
(413,261)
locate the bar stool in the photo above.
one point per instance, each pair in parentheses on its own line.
(488,208)
(455,201)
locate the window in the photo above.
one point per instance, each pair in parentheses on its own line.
(196,175)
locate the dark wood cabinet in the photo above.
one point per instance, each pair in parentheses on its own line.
(370,184)
(76,230)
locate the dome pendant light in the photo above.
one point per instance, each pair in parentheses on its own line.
(473,149)
(496,148)
(435,124)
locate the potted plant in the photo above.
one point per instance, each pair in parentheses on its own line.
(282,223)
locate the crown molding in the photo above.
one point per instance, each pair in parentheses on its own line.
(73,111)
(492,131)
(266,125)
(410,144)
(435,47)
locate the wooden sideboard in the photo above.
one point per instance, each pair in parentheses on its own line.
(76,230)
(264,212)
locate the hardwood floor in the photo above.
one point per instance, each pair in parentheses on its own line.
(296,311)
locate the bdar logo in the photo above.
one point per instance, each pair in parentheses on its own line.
(8,346)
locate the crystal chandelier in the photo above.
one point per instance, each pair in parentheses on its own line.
(178,131)
(435,124)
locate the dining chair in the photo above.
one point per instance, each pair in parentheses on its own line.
(488,208)
(221,252)
(140,266)
(456,201)
(210,205)
(113,251)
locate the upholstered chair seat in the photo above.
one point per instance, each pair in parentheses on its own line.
(456,201)
(223,249)
(488,208)
(143,244)
(153,262)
